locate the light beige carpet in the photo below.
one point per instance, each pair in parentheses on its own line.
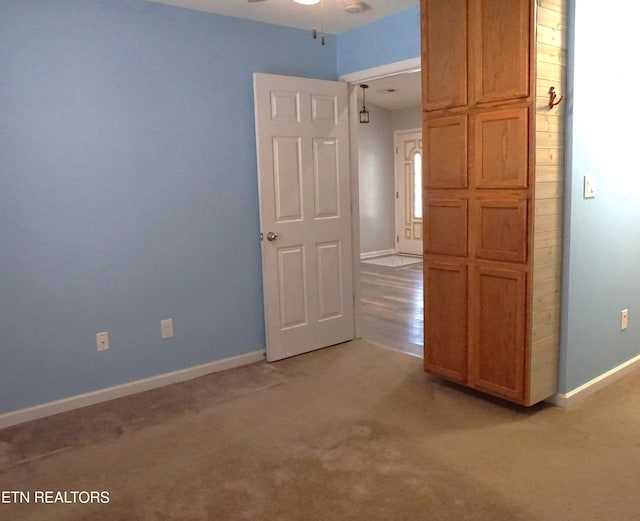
(353,432)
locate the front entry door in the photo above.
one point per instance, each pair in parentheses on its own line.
(408,168)
(302,139)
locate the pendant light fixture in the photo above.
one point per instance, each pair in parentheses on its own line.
(314,29)
(364,113)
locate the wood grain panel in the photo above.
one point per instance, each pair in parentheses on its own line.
(554,5)
(550,36)
(551,18)
(548,207)
(549,190)
(498,350)
(445,152)
(548,254)
(550,139)
(549,122)
(549,156)
(550,54)
(548,222)
(444,58)
(552,71)
(446,227)
(549,174)
(512,184)
(499,36)
(501,158)
(446,320)
(502,230)
(546,239)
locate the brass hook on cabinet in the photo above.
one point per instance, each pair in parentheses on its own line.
(552,98)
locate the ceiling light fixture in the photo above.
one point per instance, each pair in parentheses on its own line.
(308,2)
(364,113)
(355,6)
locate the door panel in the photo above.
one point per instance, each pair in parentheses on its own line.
(497,353)
(304,186)
(326,176)
(446,227)
(501,151)
(330,299)
(292,285)
(324,108)
(445,350)
(287,178)
(445,71)
(445,152)
(502,230)
(285,106)
(499,35)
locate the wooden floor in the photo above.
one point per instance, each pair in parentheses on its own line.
(393,306)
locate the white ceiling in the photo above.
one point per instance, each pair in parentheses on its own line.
(408,90)
(329,13)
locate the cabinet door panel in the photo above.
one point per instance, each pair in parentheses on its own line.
(444,53)
(497,352)
(501,232)
(499,37)
(445,346)
(445,152)
(501,148)
(446,226)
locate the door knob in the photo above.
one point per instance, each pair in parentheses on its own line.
(272,236)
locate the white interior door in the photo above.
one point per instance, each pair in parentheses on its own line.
(408,176)
(302,139)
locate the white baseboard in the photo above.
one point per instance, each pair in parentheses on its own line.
(381,253)
(82,400)
(579,393)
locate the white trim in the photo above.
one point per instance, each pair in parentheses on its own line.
(579,393)
(82,400)
(405,131)
(381,253)
(390,69)
(355,211)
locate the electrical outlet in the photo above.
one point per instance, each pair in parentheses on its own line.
(624,319)
(166,328)
(102,341)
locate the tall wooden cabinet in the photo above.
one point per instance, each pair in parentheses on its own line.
(493,193)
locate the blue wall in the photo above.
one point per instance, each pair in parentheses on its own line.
(128,189)
(602,242)
(389,40)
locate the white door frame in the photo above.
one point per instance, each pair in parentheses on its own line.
(355,78)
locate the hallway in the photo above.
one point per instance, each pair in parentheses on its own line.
(393,306)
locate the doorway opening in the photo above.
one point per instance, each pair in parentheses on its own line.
(388,159)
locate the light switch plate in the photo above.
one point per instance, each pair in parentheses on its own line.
(589,186)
